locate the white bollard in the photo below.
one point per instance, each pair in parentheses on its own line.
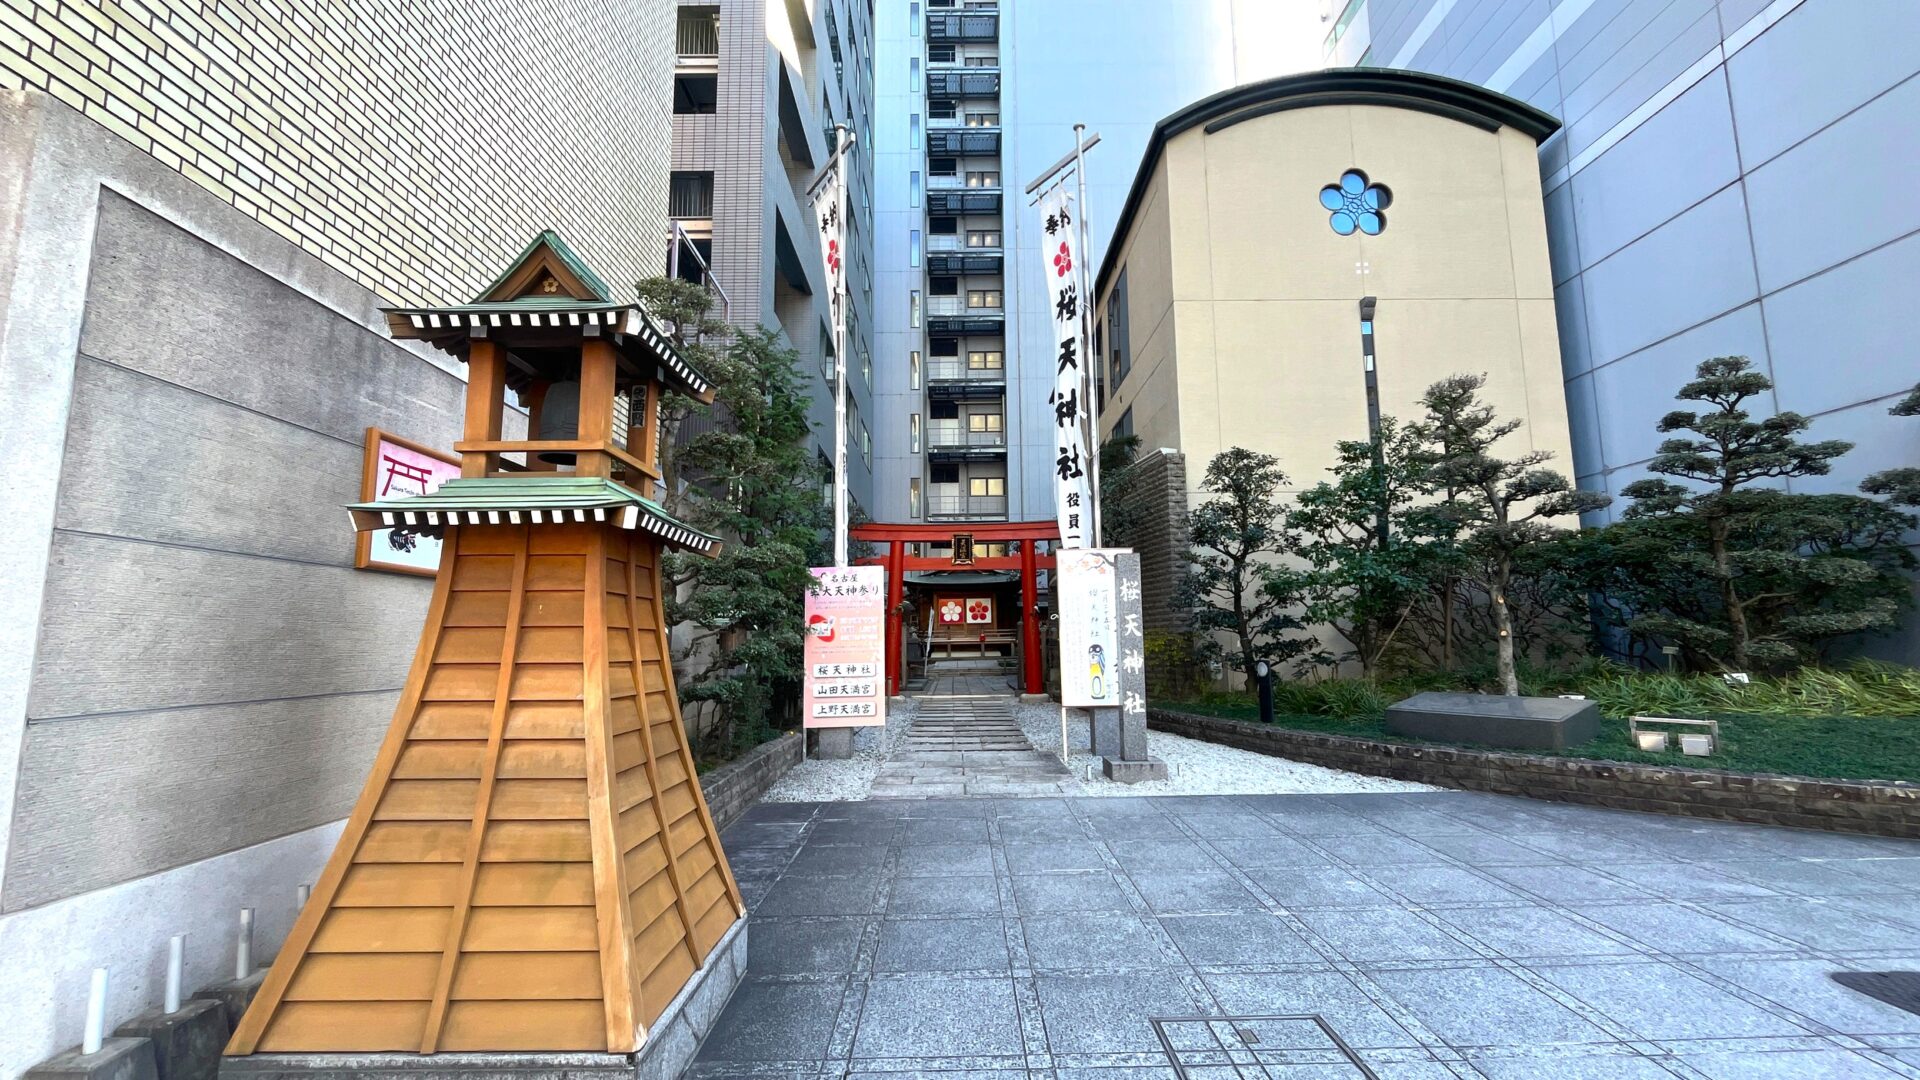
(176,962)
(96,1013)
(243,950)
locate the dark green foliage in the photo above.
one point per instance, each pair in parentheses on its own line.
(1117,513)
(1368,538)
(1743,577)
(1236,584)
(750,478)
(1497,507)
(1901,486)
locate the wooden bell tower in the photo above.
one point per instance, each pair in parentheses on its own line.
(531,865)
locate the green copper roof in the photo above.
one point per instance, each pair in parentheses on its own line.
(551,499)
(565,253)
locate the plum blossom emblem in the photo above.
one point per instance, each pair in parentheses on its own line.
(1063,261)
(1357,203)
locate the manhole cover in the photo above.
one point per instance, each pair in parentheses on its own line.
(1202,1047)
(1900,989)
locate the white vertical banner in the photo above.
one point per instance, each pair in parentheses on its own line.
(829,212)
(1072,413)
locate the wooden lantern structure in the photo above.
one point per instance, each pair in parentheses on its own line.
(531,865)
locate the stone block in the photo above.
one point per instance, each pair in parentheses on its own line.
(186,1044)
(833,744)
(235,995)
(1524,723)
(1132,772)
(117,1059)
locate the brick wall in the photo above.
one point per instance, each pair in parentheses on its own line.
(412,146)
(1879,808)
(1155,494)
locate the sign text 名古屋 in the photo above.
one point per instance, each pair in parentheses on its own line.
(846,643)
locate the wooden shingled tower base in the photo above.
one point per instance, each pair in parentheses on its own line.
(531,866)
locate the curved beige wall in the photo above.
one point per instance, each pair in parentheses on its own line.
(1243,302)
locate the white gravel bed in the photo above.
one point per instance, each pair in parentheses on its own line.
(1195,767)
(849,780)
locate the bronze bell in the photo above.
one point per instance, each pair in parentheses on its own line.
(560,420)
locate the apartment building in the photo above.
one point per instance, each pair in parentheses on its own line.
(974,99)
(758,90)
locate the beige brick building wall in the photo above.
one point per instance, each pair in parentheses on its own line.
(414,146)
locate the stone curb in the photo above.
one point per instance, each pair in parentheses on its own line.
(737,785)
(1880,808)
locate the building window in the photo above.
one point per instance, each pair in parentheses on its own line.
(913,497)
(986,486)
(913,309)
(983,298)
(913,185)
(913,370)
(943,286)
(690,195)
(913,72)
(913,19)
(983,61)
(913,132)
(913,433)
(983,238)
(983,119)
(1124,429)
(986,360)
(913,247)
(943,166)
(1371,377)
(945,346)
(1120,360)
(696,94)
(983,422)
(943,410)
(698,32)
(1357,203)
(941,109)
(940,54)
(983,179)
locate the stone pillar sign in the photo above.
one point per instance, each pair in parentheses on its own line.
(1103,656)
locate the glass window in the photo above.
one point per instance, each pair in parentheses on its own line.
(1121,358)
(983,298)
(913,433)
(987,485)
(983,119)
(913,184)
(945,474)
(941,109)
(983,238)
(913,309)
(943,286)
(913,247)
(983,61)
(983,422)
(986,360)
(943,166)
(913,19)
(913,71)
(913,370)
(939,54)
(1124,429)
(913,497)
(983,179)
(943,226)
(913,132)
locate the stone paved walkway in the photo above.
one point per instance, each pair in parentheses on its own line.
(1445,936)
(968,746)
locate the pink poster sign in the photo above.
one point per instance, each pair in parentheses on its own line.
(846,647)
(397,467)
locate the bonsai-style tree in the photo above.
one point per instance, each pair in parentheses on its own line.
(1901,486)
(750,478)
(1726,450)
(1501,505)
(1236,584)
(1365,540)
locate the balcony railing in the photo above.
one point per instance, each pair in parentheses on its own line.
(964,142)
(698,32)
(966,506)
(955,369)
(963,26)
(976,263)
(965,201)
(943,435)
(964,83)
(957,305)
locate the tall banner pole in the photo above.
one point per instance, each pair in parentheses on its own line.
(833,227)
(1087,396)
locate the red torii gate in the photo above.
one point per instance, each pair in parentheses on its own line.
(1029,563)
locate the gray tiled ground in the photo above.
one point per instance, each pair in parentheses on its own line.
(1445,936)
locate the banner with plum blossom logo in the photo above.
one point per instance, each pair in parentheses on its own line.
(1072,413)
(828,213)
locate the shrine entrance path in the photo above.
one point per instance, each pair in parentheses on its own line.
(968,746)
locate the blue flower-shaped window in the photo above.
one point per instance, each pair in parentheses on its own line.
(1357,203)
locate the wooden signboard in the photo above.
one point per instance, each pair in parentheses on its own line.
(394,467)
